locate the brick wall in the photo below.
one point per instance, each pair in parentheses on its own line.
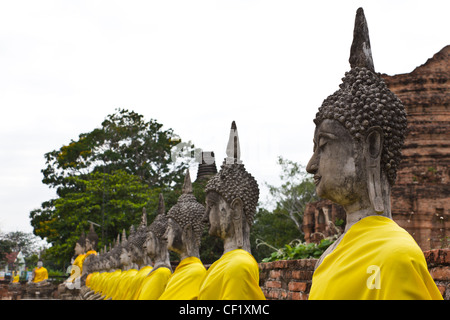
(286,279)
(291,279)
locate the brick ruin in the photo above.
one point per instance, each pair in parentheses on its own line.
(421,196)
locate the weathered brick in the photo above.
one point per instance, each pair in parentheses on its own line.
(440,273)
(275,274)
(302,275)
(297,286)
(299,296)
(273,284)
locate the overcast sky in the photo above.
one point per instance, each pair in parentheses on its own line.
(194,66)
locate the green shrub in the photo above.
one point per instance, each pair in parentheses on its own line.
(301,250)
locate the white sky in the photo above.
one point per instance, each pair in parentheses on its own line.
(194,66)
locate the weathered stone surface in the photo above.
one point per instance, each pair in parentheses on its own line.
(421,195)
(360,51)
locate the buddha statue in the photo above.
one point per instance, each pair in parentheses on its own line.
(357,149)
(128,272)
(231,198)
(92,270)
(91,241)
(184,231)
(40,274)
(99,274)
(77,266)
(156,247)
(113,267)
(138,256)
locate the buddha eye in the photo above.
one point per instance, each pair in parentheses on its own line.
(322,143)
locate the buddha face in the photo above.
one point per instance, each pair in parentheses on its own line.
(218,214)
(151,244)
(78,249)
(135,254)
(124,257)
(174,236)
(89,245)
(337,168)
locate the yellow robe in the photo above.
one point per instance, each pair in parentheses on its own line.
(91,252)
(111,283)
(235,276)
(40,274)
(136,283)
(77,267)
(124,284)
(184,283)
(154,284)
(376,259)
(91,278)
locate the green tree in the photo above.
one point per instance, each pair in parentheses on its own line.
(27,243)
(115,201)
(296,191)
(279,221)
(124,141)
(107,176)
(6,247)
(270,230)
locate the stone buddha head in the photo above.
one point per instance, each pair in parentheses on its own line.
(124,248)
(359,135)
(80,245)
(231,199)
(185,223)
(155,244)
(91,239)
(136,241)
(114,257)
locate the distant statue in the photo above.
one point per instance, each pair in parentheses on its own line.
(231,199)
(156,247)
(357,149)
(113,267)
(184,232)
(91,241)
(128,272)
(77,265)
(139,258)
(39,275)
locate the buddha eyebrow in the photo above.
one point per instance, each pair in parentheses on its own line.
(328,135)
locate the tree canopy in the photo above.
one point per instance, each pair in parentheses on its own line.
(107,176)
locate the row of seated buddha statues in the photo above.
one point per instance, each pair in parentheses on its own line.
(138,267)
(358,138)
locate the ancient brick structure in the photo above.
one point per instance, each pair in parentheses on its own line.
(286,279)
(421,196)
(322,219)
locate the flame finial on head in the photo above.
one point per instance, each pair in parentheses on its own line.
(233,148)
(360,51)
(187,186)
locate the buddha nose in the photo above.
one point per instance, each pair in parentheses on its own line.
(312,166)
(205,218)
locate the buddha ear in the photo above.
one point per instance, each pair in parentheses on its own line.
(373,147)
(237,207)
(188,237)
